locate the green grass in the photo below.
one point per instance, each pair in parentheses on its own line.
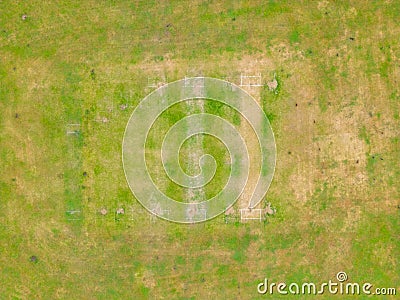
(294,37)
(323,196)
(323,103)
(208,145)
(69,60)
(363,134)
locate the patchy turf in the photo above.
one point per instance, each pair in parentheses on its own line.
(335,115)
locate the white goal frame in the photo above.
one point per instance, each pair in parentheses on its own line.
(243,216)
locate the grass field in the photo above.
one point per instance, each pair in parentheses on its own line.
(335,115)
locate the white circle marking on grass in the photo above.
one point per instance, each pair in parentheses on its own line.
(197,88)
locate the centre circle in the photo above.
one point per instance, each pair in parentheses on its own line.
(150,109)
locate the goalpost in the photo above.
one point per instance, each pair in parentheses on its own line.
(250,80)
(251,214)
(73,128)
(73,215)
